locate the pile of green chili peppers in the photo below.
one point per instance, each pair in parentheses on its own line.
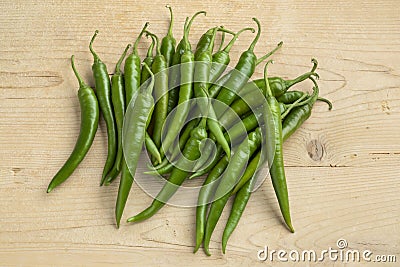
(136,103)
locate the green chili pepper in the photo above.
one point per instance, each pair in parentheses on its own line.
(249,173)
(244,69)
(205,197)
(221,58)
(152,148)
(160,70)
(236,167)
(185,91)
(89,122)
(118,102)
(182,141)
(201,83)
(240,202)
(290,97)
(177,177)
(250,96)
(206,41)
(175,71)
(161,171)
(103,93)
(132,71)
(137,117)
(273,130)
(300,114)
(168,43)
(219,153)
(148,60)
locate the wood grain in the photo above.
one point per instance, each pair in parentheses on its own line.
(341,165)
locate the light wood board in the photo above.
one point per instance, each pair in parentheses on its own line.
(342,165)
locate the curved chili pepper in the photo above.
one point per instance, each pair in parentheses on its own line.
(185,91)
(103,93)
(300,114)
(168,43)
(240,202)
(218,154)
(152,148)
(132,70)
(145,75)
(204,198)
(181,144)
(161,171)
(250,97)
(118,102)
(175,72)
(137,117)
(222,193)
(222,40)
(273,130)
(177,177)
(89,122)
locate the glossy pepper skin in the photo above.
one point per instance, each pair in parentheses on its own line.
(160,71)
(103,92)
(273,130)
(205,195)
(136,117)
(132,70)
(244,69)
(236,167)
(118,102)
(168,43)
(89,122)
(202,69)
(175,71)
(178,176)
(185,91)
(221,58)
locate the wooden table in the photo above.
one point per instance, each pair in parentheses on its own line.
(342,165)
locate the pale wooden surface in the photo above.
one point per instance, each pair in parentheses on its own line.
(342,166)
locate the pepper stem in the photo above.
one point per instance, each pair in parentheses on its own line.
(235,37)
(315,62)
(151,46)
(135,45)
(293,105)
(326,101)
(300,78)
(261,59)
(154,37)
(189,25)
(80,80)
(222,39)
(171,24)
(267,87)
(211,47)
(118,65)
(253,44)
(149,88)
(95,56)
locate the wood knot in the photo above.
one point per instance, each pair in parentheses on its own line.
(315,150)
